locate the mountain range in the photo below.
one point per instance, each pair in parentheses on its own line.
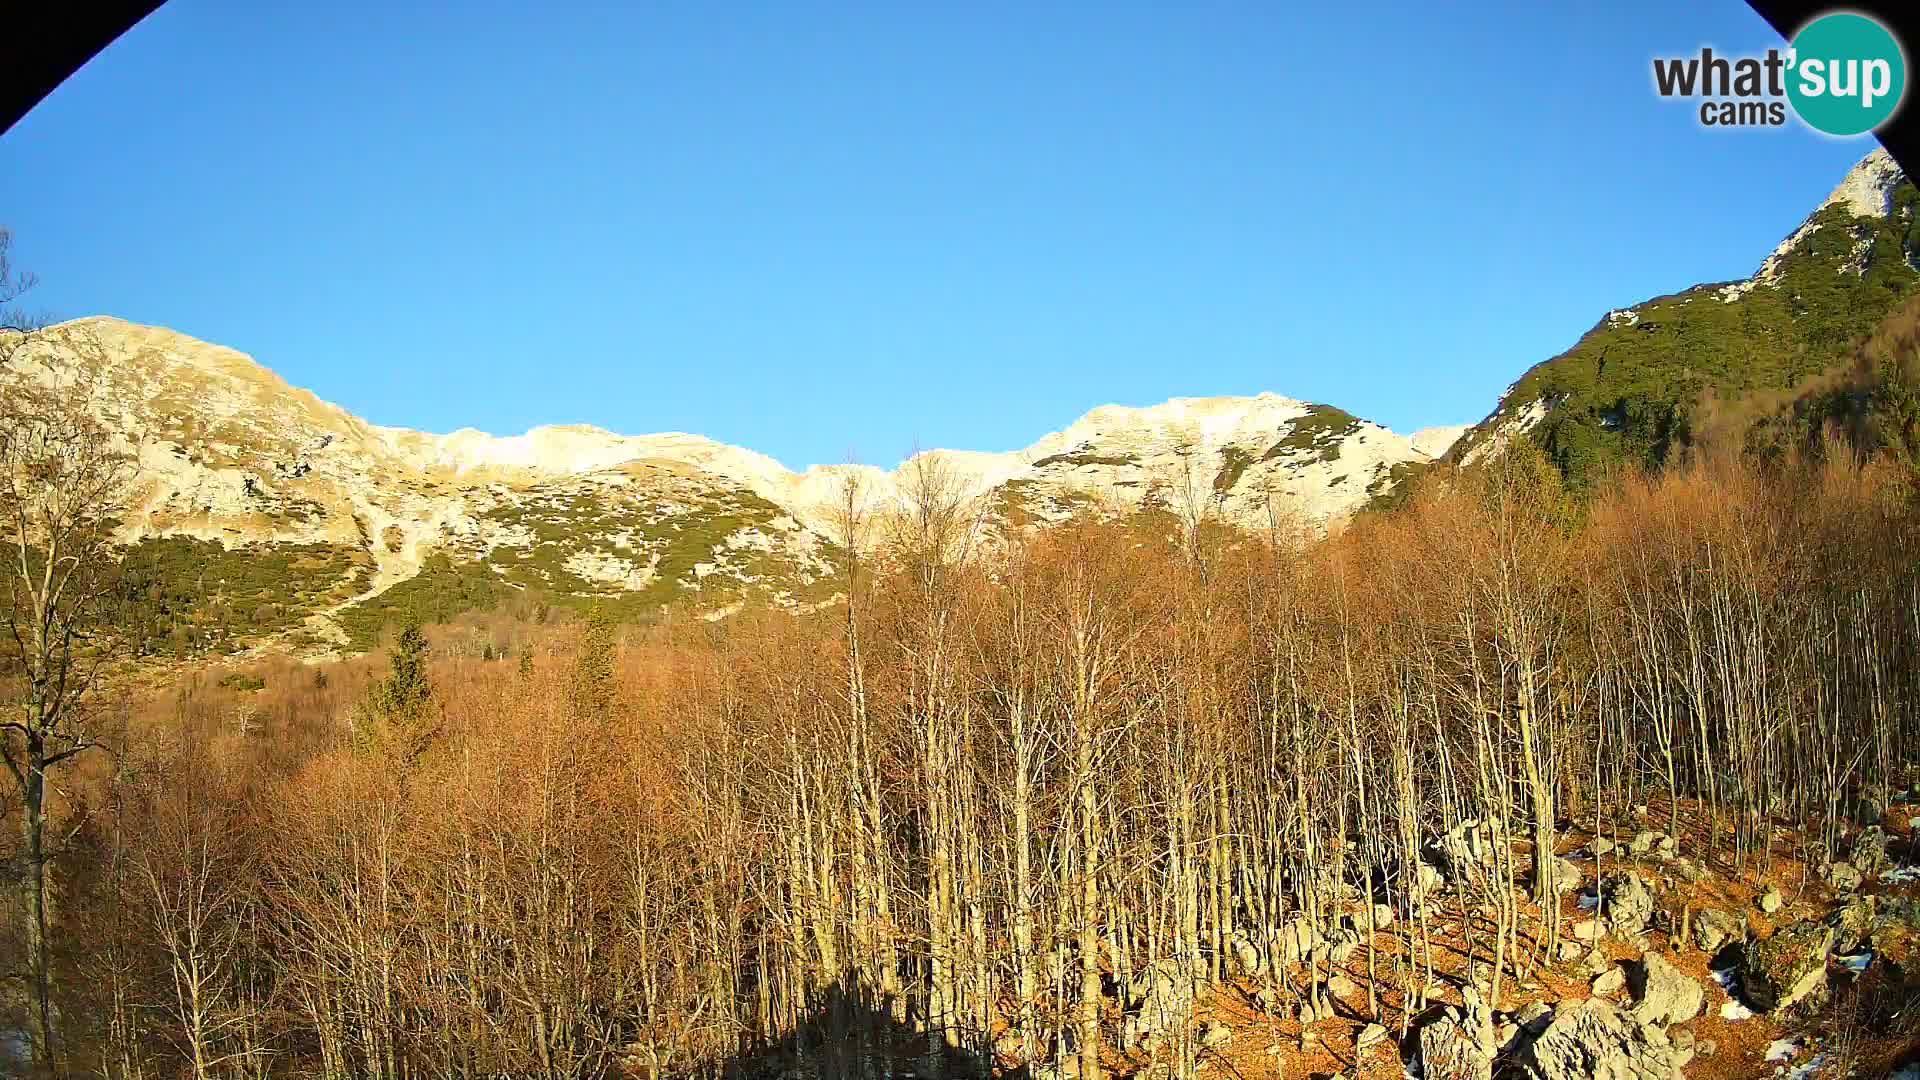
(266,513)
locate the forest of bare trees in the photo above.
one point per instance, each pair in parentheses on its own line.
(1012,803)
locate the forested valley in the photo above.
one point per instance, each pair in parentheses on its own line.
(1520,771)
(1029,805)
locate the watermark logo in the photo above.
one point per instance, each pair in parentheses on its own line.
(1843,74)
(1851,74)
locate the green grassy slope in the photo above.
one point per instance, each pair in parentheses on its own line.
(1636,386)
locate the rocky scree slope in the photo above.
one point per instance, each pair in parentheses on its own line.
(265,511)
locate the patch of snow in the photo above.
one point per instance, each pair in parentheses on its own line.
(1901,875)
(1858,962)
(1733,1008)
(1806,1069)
(1782,1050)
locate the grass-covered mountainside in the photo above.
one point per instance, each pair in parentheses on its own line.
(185,597)
(1872,405)
(264,514)
(628,542)
(1650,379)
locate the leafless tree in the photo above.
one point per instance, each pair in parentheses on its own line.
(64,482)
(13,285)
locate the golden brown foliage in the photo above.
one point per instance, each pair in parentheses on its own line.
(957,816)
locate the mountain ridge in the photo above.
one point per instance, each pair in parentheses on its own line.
(1628,389)
(237,464)
(362,523)
(471,449)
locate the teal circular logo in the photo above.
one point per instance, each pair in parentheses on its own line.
(1848,74)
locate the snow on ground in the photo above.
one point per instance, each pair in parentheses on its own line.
(1806,1069)
(1733,1008)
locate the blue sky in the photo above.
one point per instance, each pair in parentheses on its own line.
(832,230)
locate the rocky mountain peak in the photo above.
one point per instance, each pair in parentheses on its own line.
(1867,190)
(1626,389)
(233,456)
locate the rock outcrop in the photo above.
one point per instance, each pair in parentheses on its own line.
(1869,855)
(1594,1040)
(1465,851)
(1459,1044)
(1786,968)
(1662,993)
(1627,902)
(1714,930)
(1842,875)
(1160,999)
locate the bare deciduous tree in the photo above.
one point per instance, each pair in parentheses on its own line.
(64,481)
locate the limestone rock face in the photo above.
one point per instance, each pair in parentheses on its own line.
(229,452)
(1296,939)
(1459,1044)
(1611,981)
(1248,960)
(1888,927)
(1567,875)
(1465,852)
(1645,841)
(1897,946)
(1869,854)
(1160,998)
(1436,441)
(1714,930)
(1594,1040)
(1627,902)
(1842,875)
(1663,994)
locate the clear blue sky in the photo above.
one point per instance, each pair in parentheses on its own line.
(824,230)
